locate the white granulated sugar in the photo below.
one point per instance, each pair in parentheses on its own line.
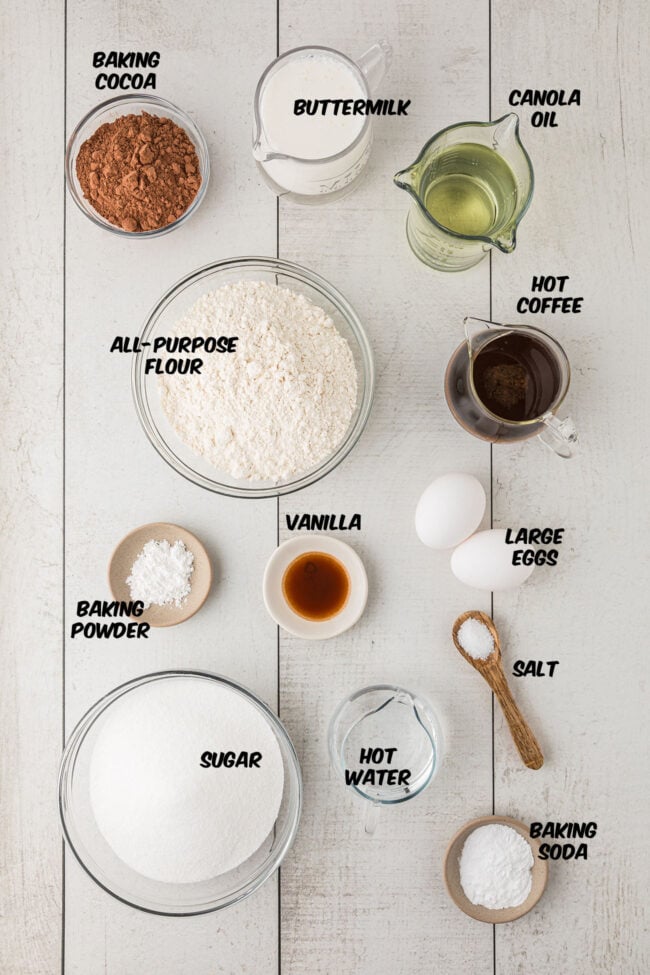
(475,639)
(277,406)
(495,867)
(161,574)
(159,810)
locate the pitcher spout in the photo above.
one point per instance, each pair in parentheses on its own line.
(375,62)
(505,133)
(506,242)
(405,179)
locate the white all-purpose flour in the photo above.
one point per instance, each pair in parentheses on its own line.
(282,402)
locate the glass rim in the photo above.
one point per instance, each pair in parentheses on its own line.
(561,354)
(436,740)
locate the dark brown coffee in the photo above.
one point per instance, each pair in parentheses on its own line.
(516,377)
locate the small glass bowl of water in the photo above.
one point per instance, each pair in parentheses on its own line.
(386,743)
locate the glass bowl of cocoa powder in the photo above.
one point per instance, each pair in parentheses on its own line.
(137,166)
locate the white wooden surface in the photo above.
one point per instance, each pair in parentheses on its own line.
(343,902)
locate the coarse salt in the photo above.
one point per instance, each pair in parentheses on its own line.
(475,639)
(161,574)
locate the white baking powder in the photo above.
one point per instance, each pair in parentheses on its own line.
(163,813)
(495,867)
(161,574)
(277,406)
(475,638)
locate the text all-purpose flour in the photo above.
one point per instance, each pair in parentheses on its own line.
(277,406)
(158,806)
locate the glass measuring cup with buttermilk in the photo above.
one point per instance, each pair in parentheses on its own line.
(313,152)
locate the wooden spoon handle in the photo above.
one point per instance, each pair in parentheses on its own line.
(523,737)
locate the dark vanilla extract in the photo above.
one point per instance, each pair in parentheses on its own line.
(316,586)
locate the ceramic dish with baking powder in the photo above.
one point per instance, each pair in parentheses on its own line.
(451,870)
(130,548)
(276,602)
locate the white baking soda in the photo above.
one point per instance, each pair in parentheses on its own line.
(496,867)
(160,804)
(318,154)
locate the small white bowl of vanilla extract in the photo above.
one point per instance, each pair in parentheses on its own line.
(315,587)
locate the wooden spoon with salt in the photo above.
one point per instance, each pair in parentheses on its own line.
(491,668)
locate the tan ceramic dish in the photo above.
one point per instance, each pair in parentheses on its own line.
(127,552)
(451,872)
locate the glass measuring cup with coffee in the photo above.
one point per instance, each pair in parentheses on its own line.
(386,743)
(505,383)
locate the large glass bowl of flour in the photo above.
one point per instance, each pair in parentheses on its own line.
(180,793)
(177,303)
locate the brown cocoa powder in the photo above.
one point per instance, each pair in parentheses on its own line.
(139,172)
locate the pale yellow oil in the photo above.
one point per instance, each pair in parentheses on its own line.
(470,189)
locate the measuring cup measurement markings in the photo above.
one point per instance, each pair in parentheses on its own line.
(300,175)
(470,187)
(386,744)
(505,383)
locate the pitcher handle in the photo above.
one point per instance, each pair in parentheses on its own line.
(371,818)
(559,435)
(375,62)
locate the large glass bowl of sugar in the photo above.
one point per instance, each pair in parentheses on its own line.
(180,792)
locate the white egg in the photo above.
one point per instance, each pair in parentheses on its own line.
(484,561)
(449,510)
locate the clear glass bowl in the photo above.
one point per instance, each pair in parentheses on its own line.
(177,301)
(116,877)
(108,112)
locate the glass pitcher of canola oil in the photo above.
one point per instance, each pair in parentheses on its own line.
(386,744)
(470,186)
(505,383)
(315,156)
